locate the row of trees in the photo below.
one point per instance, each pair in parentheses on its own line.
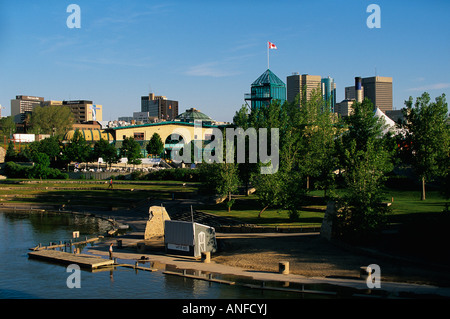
(79,150)
(352,153)
(53,120)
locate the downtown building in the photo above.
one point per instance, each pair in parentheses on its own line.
(23,105)
(84,111)
(159,107)
(303,86)
(378,89)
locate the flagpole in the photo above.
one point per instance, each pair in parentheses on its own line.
(268,55)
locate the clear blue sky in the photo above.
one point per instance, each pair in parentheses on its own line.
(206,54)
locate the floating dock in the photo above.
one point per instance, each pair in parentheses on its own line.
(65,244)
(82,260)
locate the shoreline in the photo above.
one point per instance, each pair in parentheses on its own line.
(256,256)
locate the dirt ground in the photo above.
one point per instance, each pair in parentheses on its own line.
(314,256)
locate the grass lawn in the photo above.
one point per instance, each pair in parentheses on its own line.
(89,193)
(247,208)
(407,206)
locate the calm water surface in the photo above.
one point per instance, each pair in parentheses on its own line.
(21,277)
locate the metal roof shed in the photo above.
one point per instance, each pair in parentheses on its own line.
(189,238)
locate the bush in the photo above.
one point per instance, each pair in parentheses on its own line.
(14,170)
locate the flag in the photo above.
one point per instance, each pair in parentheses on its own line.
(272,46)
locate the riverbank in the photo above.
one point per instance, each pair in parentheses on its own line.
(263,266)
(311,258)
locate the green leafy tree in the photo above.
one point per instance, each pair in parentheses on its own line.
(41,166)
(365,161)
(269,190)
(11,153)
(228,182)
(54,120)
(280,189)
(428,135)
(317,134)
(221,179)
(155,146)
(41,169)
(247,169)
(8,127)
(106,151)
(131,150)
(51,146)
(78,150)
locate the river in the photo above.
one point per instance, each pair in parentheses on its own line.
(24,278)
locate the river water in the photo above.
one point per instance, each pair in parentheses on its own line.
(24,278)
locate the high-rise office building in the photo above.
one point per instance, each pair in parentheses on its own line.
(159,107)
(379,90)
(265,89)
(23,105)
(302,84)
(329,92)
(84,111)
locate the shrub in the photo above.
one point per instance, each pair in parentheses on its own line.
(14,170)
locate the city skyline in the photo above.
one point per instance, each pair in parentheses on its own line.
(206,54)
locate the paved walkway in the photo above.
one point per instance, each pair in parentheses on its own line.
(137,218)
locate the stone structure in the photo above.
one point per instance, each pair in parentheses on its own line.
(2,155)
(155,224)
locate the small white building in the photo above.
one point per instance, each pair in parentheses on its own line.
(189,238)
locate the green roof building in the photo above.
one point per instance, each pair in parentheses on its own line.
(192,115)
(265,89)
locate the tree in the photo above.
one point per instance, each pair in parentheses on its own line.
(106,151)
(317,134)
(78,150)
(8,127)
(269,190)
(155,146)
(50,146)
(11,153)
(54,120)
(221,179)
(365,160)
(131,150)
(229,181)
(363,125)
(428,136)
(361,213)
(41,166)
(247,169)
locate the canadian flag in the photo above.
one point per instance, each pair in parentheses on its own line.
(272,46)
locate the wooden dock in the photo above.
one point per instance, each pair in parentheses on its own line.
(62,245)
(82,260)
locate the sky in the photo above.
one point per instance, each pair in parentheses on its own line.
(206,54)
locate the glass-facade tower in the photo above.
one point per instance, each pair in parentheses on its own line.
(329,92)
(265,89)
